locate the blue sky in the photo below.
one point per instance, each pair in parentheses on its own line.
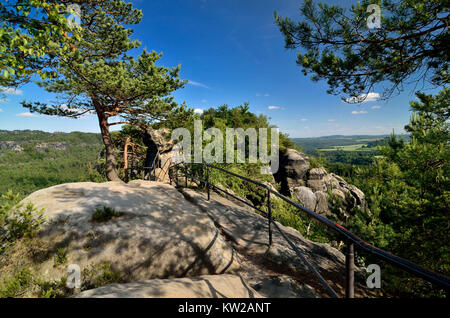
(232,52)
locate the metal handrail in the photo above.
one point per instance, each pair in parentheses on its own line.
(350,238)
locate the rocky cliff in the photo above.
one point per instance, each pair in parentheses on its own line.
(320,191)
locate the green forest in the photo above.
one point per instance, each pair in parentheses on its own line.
(30,169)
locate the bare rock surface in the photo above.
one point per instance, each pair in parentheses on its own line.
(285,287)
(208,286)
(293,167)
(169,242)
(250,230)
(315,187)
(11,145)
(158,235)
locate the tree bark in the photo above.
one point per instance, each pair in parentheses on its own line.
(111,172)
(125,158)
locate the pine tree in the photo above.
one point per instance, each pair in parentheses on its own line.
(100,78)
(411,43)
(34,34)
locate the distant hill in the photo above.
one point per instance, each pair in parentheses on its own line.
(31,159)
(357,149)
(312,144)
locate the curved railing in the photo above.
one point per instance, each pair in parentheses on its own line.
(350,238)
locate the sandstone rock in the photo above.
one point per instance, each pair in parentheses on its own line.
(322,203)
(208,286)
(11,145)
(51,145)
(285,287)
(159,153)
(339,193)
(348,195)
(306,197)
(293,167)
(250,231)
(159,235)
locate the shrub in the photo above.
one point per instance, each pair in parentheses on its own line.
(60,256)
(105,214)
(17,219)
(100,274)
(16,285)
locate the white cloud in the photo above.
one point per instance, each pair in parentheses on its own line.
(29,115)
(204,101)
(363,98)
(331,120)
(10,91)
(266,94)
(376,107)
(304,119)
(198,111)
(273,107)
(358,112)
(1,110)
(197,84)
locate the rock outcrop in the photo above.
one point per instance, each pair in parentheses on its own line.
(318,190)
(293,167)
(167,242)
(52,145)
(17,146)
(159,152)
(208,286)
(155,237)
(11,145)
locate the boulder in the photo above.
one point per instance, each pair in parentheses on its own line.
(155,234)
(11,145)
(158,141)
(322,203)
(293,167)
(306,197)
(208,286)
(285,287)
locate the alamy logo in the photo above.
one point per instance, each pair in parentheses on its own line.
(374,279)
(73,276)
(74,19)
(374,20)
(235,138)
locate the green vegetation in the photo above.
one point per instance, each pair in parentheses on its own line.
(33,36)
(18,220)
(337,45)
(16,285)
(408,195)
(357,150)
(60,256)
(100,274)
(105,214)
(30,170)
(99,77)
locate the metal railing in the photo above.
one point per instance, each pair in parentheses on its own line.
(350,239)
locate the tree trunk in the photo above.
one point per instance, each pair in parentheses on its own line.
(111,173)
(125,158)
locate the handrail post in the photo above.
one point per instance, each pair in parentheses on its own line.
(186,176)
(350,270)
(207,182)
(269,216)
